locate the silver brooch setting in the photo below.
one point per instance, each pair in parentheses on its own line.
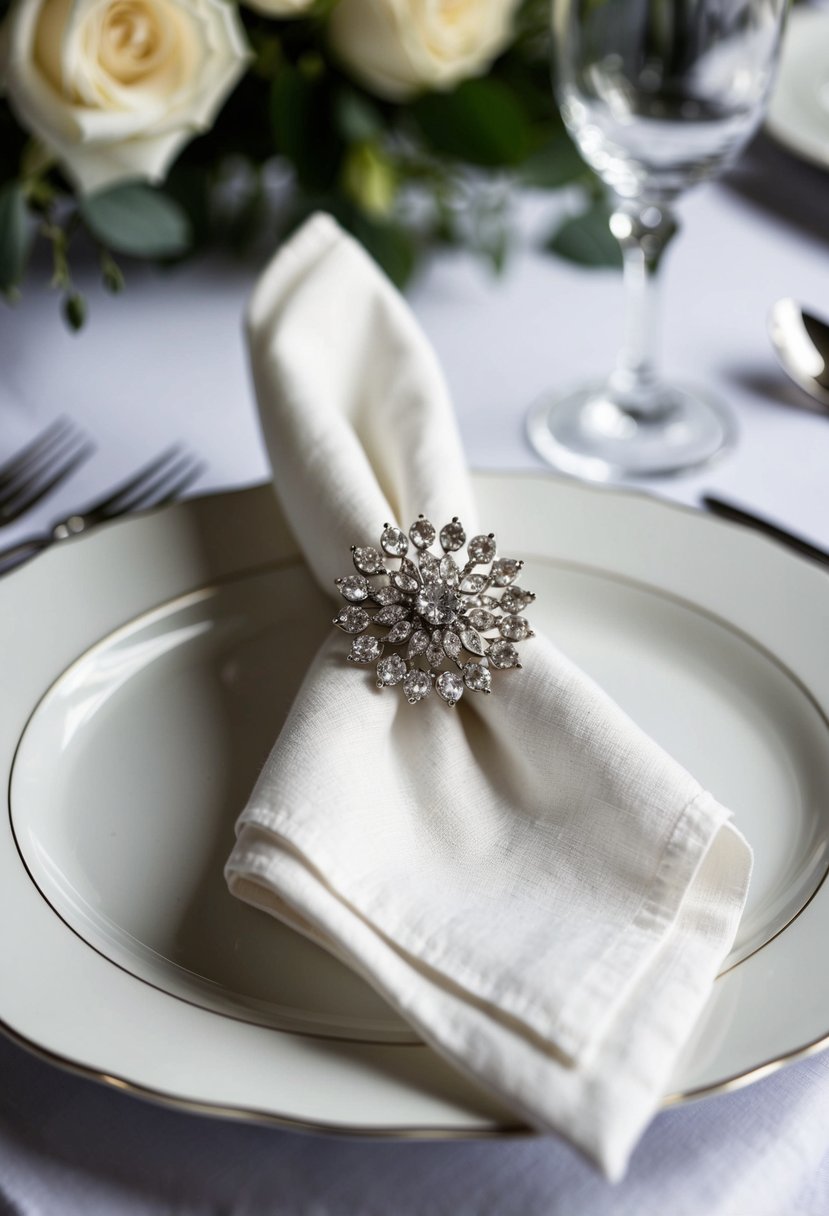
(428,621)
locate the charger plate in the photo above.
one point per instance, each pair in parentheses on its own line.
(146,671)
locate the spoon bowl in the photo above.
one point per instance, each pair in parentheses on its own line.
(801,342)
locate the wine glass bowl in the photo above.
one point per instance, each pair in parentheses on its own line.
(658,95)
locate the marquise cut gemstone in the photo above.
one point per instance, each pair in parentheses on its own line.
(417,685)
(399,632)
(354,588)
(472,641)
(482,548)
(452,536)
(450,686)
(408,567)
(422,533)
(394,541)
(477,677)
(434,654)
(365,649)
(405,582)
(368,560)
(418,643)
(503,654)
(390,671)
(449,571)
(451,644)
(386,595)
(429,566)
(390,614)
(352,619)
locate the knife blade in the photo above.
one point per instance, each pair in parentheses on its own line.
(738,515)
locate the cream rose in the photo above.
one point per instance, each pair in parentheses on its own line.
(114,88)
(280,8)
(398,47)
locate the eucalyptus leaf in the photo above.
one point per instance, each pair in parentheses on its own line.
(137,220)
(15,235)
(481,122)
(587,239)
(556,164)
(359,121)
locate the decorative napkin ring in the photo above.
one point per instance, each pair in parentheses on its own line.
(439,611)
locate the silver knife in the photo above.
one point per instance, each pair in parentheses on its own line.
(727,510)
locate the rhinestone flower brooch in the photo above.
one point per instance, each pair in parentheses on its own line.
(448,625)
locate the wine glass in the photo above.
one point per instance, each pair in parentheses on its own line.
(658,95)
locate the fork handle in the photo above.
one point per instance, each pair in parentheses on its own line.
(16,555)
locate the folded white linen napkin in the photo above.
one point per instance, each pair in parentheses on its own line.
(537,888)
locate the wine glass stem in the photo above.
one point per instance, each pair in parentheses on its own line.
(643,230)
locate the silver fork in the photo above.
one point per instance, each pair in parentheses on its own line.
(40,467)
(159,482)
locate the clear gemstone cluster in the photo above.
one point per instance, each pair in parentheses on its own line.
(448,625)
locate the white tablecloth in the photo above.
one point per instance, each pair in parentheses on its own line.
(166,362)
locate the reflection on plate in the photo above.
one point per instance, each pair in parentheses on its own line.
(133,740)
(126,786)
(798,114)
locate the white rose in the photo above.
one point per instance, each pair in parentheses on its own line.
(398,47)
(281,8)
(114,88)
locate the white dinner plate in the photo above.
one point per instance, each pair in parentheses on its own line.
(798,113)
(146,671)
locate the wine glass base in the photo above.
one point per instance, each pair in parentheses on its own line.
(589,434)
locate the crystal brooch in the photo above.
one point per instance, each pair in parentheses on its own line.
(432,621)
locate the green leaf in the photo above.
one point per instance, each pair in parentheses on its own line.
(12,136)
(303,128)
(480,122)
(111,275)
(15,235)
(587,239)
(137,220)
(556,164)
(390,246)
(369,180)
(357,119)
(74,311)
(189,187)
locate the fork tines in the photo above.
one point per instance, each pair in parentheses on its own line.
(155,484)
(40,467)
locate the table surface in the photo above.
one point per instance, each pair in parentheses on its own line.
(166,362)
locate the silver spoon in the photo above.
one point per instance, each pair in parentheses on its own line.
(801,341)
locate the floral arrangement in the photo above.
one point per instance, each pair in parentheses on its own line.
(156,126)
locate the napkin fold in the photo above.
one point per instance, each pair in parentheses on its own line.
(536,887)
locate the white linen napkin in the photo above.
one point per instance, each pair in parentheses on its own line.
(534,885)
